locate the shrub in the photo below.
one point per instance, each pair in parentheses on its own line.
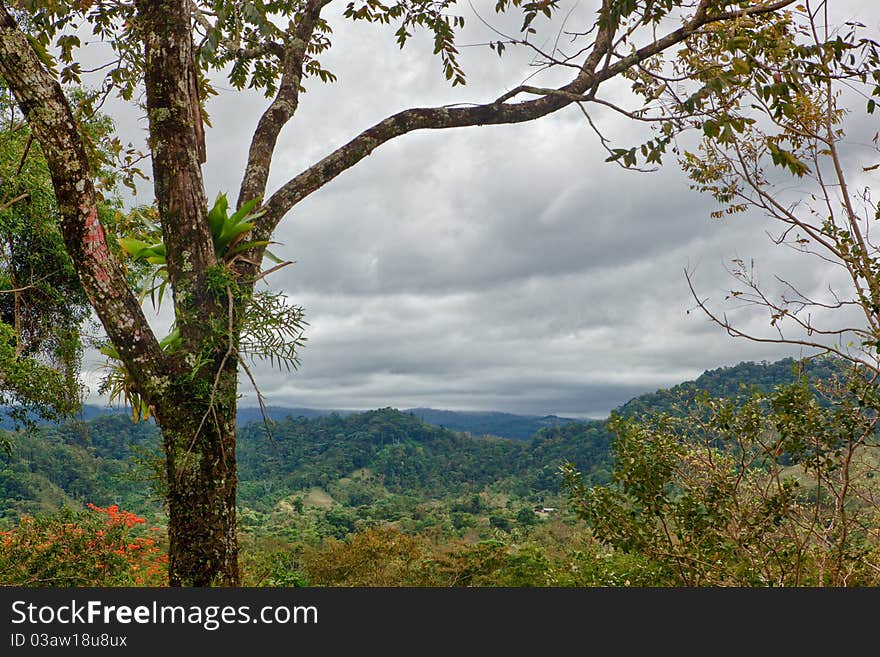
(93,547)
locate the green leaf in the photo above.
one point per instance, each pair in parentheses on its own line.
(741,66)
(711,129)
(41,52)
(171,341)
(230,233)
(738,43)
(274,258)
(132,247)
(217,215)
(244,246)
(244,210)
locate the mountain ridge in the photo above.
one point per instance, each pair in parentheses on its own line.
(722,381)
(104,458)
(478,423)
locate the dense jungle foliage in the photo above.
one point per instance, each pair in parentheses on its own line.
(712,482)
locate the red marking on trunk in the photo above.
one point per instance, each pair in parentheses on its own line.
(95,244)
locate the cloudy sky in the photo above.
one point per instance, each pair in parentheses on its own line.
(500,268)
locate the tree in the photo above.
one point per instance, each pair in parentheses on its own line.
(169,49)
(44,311)
(770,489)
(780,488)
(782,149)
(798,159)
(97,547)
(42,305)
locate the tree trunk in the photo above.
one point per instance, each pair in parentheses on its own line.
(197,411)
(199,442)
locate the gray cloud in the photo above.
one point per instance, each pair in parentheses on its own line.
(504,268)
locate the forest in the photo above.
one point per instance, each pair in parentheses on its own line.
(758,475)
(381,498)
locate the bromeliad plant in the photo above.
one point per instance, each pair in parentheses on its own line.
(270,329)
(228,232)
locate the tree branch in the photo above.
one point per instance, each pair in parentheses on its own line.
(283,106)
(581,88)
(173,110)
(42,102)
(8,204)
(738,333)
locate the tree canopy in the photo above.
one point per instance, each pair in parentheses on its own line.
(43,308)
(686,63)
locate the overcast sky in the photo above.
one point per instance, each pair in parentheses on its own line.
(500,268)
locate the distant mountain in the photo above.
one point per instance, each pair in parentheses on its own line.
(485,423)
(476,423)
(410,456)
(490,423)
(720,382)
(420,453)
(87,412)
(732,381)
(247,414)
(108,459)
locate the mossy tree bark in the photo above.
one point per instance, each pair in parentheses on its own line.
(192,392)
(199,444)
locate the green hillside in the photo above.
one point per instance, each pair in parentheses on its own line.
(109,460)
(729,382)
(76,463)
(507,425)
(382,498)
(380,464)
